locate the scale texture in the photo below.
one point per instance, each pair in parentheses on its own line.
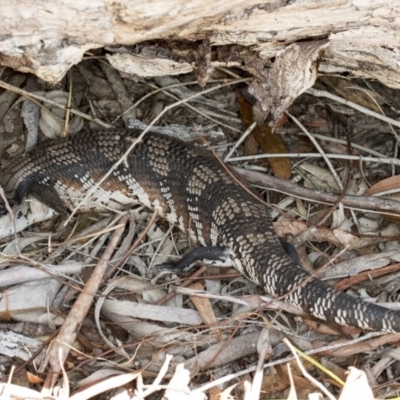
(190,188)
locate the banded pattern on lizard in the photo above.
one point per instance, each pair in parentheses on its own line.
(190,188)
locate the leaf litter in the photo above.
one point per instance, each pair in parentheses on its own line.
(120,325)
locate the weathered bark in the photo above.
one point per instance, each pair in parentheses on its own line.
(46,38)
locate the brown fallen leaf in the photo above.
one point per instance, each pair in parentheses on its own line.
(34,379)
(267,140)
(203,306)
(272,143)
(280,380)
(384,185)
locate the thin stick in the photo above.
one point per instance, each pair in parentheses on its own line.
(31,96)
(109,273)
(12,216)
(166,88)
(305,373)
(323,349)
(321,93)
(385,206)
(319,149)
(241,139)
(186,283)
(68,110)
(383,160)
(71,326)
